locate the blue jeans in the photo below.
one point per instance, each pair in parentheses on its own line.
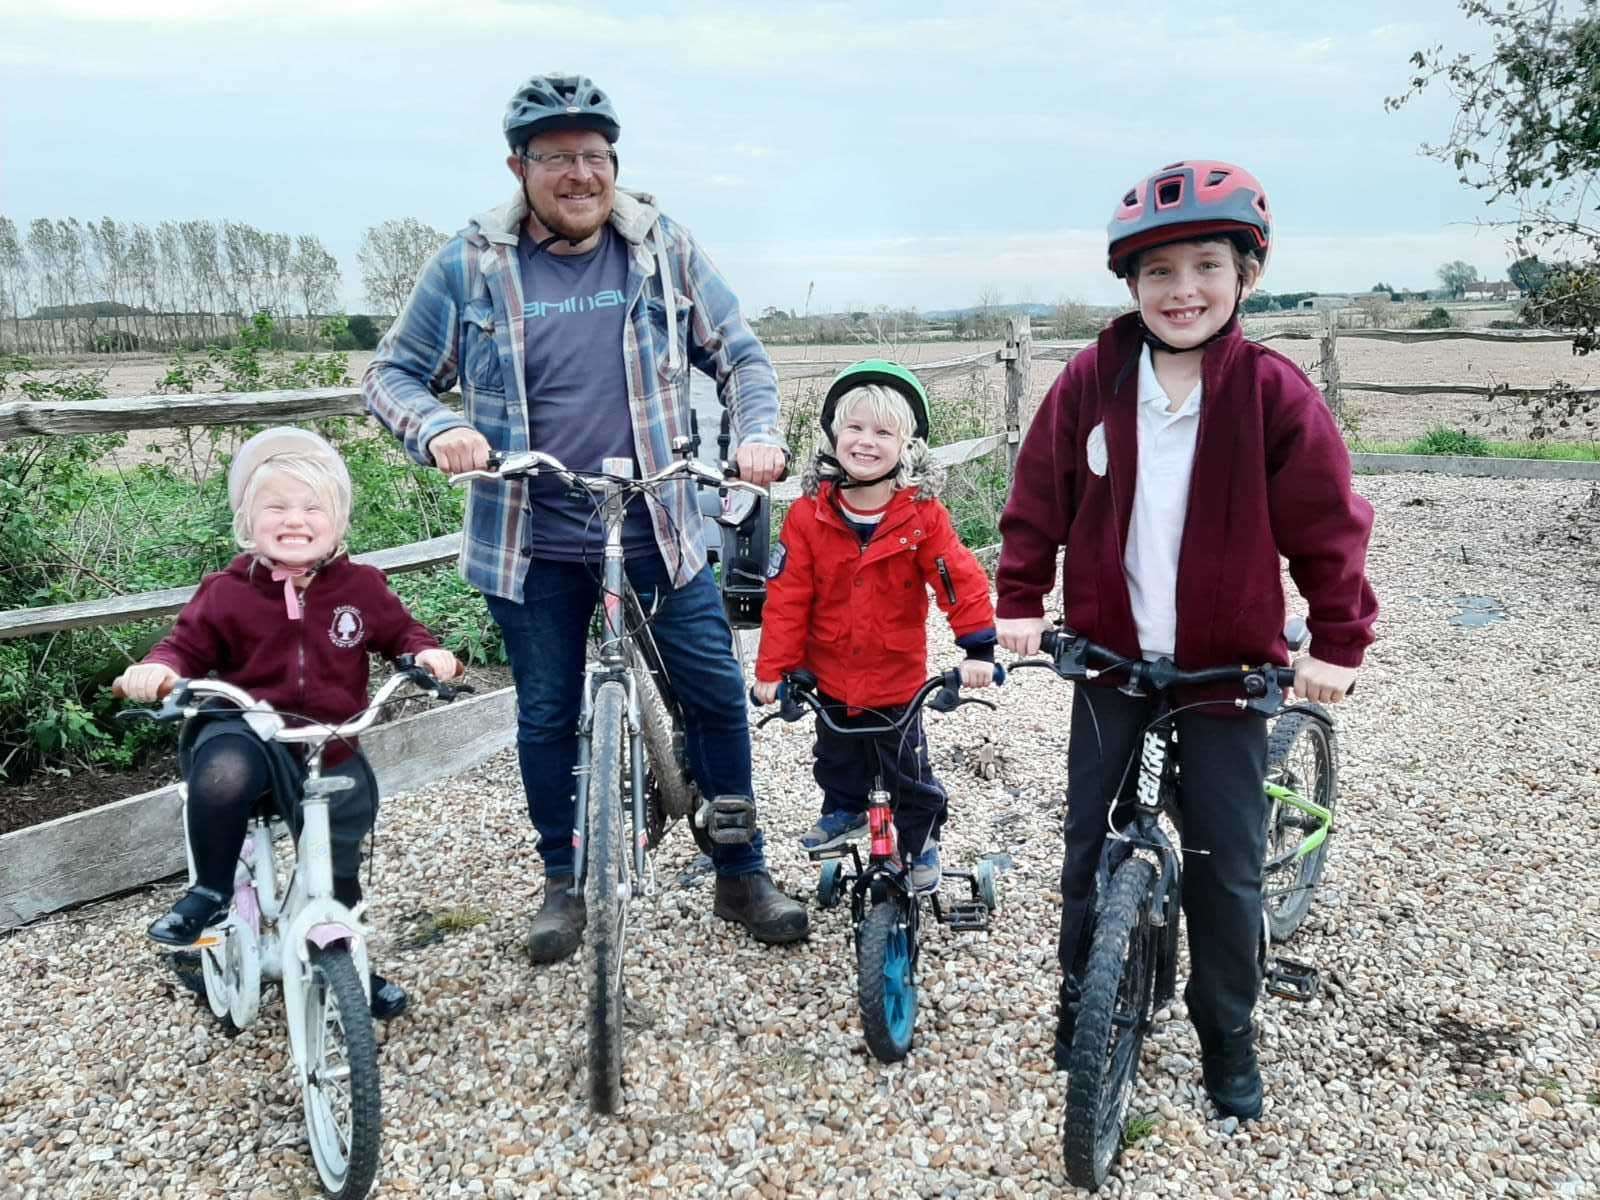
(545,639)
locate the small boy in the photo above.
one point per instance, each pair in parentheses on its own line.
(1175,462)
(847,599)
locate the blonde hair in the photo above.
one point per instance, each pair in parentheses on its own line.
(888,408)
(330,486)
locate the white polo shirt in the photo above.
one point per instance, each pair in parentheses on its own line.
(1160,504)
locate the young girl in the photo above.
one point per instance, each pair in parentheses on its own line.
(1176,462)
(847,599)
(291,622)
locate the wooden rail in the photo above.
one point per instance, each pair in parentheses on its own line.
(1425,335)
(141,606)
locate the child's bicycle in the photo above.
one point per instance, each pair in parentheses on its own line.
(886,911)
(632,766)
(297,933)
(1131,967)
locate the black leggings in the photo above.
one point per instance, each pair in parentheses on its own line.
(229,774)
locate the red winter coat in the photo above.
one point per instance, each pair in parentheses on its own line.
(855,615)
(1271,476)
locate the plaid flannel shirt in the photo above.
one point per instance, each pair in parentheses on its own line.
(463,323)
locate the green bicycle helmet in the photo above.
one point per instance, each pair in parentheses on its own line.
(877,370)
(553,102)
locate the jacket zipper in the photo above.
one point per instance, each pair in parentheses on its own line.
(944,574)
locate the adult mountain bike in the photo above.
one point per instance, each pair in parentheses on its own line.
(633,779)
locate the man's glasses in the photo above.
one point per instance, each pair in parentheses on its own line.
(600,162)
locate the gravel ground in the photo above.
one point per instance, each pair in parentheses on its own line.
(1452,1054)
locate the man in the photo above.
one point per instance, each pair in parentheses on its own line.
(570,318)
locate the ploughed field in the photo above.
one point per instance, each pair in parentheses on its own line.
(1453,1052)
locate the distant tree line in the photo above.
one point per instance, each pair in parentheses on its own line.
(68,285)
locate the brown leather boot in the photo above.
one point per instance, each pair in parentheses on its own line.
(558,925)
(754,902)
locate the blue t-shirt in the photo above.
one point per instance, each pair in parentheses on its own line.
(578,391)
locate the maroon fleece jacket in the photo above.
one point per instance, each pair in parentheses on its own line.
(237,626)
(1271,477)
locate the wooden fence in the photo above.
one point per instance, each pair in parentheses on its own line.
(106,850)
(1334,385)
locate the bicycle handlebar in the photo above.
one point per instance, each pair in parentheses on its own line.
(1076,658)
(531,462)
(178,696)
(798,692)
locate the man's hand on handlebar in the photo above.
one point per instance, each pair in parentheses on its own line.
(765,693)
(1321,682)
(142,682)
(1020,635)
(760,465)
(460,449)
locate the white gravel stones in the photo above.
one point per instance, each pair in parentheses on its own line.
(1452,1053)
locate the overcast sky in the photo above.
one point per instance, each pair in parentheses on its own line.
(888,153)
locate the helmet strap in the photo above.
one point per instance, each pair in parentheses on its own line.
(1155,343)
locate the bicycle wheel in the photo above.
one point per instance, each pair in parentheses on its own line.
(605,890)
(342,1104)
(662,741)
(1302,758)
(232,972)
(885,982)
(1112,1018)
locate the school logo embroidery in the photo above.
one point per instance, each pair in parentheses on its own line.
(780,555)
(1095,448)
(348,629)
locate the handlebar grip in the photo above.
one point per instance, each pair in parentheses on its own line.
(496,460)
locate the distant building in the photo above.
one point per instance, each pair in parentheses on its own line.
(1484,290)
(1322,303)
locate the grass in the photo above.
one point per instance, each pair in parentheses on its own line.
(1486,1095)
(1139,1128)
(435,927)
(1564,451)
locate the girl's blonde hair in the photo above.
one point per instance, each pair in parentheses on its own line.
(330,486)
(886,407)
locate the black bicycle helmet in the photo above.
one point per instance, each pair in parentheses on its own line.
(553,102)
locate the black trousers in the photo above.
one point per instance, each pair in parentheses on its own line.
(1223,766)
(845,768)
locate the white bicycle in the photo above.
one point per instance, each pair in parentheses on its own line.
(297,933)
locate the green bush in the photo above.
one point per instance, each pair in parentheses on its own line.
(80,527)
(1456,442)
(364,332)
(1439,318)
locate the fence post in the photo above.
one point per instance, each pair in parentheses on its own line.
(1018,355)
(1330,366)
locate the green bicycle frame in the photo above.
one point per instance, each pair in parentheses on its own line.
(1323,816)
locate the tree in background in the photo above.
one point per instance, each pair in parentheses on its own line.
(1454,276)
(392,255)
(316,276)
(1527,131)
(1528,274)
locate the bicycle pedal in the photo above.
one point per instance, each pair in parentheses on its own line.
(839,851)
(1292,980)
(728,820)
(967,915)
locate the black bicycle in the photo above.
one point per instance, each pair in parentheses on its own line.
(1132,963)
(886,910)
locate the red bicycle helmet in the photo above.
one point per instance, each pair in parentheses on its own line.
(1190,199)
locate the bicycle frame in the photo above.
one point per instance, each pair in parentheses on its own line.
(612,664)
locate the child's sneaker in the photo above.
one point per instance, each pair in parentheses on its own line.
(834,829)
(925,869)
